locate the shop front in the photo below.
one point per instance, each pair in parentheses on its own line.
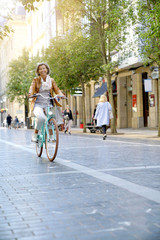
(137,99)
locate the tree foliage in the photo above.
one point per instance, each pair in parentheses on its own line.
(73,58)
(29,5)
(58,59)
(5,31)
(149,30)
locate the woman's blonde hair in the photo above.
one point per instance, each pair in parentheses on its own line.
(40,64)
(103,98)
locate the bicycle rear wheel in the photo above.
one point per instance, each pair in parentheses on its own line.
(52,145)
(39,146)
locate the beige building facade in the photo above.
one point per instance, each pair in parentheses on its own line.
(10,48)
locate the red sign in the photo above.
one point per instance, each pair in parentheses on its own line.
(134,100)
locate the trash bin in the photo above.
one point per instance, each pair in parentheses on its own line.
(28,122)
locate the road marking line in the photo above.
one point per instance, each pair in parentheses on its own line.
(131,168)
(142,191)
(108,140)
(18,146)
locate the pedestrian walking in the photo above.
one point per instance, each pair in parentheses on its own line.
(16,122)
(46,86)
(68,118)
(94,121)
(102,114)
(9,120)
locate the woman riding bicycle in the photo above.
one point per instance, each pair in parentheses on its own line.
(46,86)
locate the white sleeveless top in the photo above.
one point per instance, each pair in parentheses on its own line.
(40,101)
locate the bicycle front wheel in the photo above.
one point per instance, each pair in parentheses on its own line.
(53,141)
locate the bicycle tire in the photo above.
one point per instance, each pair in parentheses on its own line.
(39,147)
(52,146)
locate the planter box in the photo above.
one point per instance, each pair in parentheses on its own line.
(81,125)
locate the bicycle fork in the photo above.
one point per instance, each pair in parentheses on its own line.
(50,127)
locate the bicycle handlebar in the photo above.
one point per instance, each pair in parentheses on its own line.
(55,97)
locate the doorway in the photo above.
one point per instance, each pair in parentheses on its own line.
(145,101)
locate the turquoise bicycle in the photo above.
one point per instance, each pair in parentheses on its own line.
(49,133)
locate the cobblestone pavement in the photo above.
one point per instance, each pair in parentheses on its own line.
(94,190)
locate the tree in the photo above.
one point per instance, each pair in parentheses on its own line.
(75,60)
(149,35)
(21,73)
(85,64)
(106,22)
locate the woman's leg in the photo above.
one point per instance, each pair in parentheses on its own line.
(65,125)
(104,127)
(40,118)
(69,126)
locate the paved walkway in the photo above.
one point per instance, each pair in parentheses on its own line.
(95,189)
(145,133)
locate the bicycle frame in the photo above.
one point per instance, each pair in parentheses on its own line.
(44,128)
(49,116)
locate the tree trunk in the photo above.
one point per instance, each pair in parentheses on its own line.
(83,106)
(26,103)
(66,93)
(110,93)
(159,103)
(26,106)
(109,88)
(106,60)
